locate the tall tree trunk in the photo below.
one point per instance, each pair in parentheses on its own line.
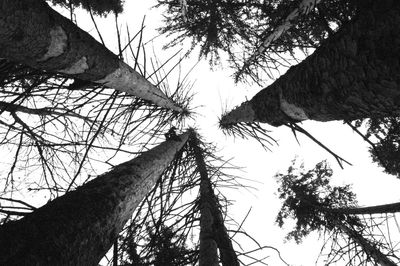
(213,232)
(34,34)
(378,209)
(305,6)
(81,226)
(367,246)
(353,74)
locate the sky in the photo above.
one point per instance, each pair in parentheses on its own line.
(214,91)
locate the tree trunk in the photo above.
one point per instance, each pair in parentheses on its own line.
(34,34)
(305,6)
(115,252)
(367,247)
(213,232)
(378,209)
(354,74)
(81,226)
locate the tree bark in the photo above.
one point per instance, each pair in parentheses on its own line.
(81,226)
(367,247)
(115,252)
(378,209)
(305,6)
(34,34)
(213,232)
(354,74)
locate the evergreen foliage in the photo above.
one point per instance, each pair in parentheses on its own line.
(220,25)
(310,199)
(317,206)
(217,26)
(386,151)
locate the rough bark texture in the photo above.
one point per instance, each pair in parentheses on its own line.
(81,226)
(354,74)
(33,34)
(368,248)
(208,254)
(213,233)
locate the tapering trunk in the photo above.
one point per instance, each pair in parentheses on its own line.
(378,209)
(213,232)
(208,254)
(354,74)
(33,34)
(81,226)
(367,246)
(305,6)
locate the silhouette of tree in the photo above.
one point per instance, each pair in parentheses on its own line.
(383,136)
(317,206)
(339,81)
(319,87)
(239,28)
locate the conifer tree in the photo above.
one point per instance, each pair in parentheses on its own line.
(55,126)
(35,35)
(317,206)
(79,227)
(251,32)
(213,233)
(187,202)
(383,136)
(352,75)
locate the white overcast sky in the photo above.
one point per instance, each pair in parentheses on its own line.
(215,89)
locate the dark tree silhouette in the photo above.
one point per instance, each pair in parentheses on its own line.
(317,206)
(383,134)
(213,233)
(240,27)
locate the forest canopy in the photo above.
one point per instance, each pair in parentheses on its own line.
(100,139)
